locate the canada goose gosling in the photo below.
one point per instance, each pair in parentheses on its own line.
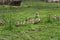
(2,22)
(36,15)
(36,20)
(19,23)
(56,17)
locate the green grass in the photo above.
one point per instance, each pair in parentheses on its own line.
(41,31)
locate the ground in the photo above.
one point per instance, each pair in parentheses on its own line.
(41,31)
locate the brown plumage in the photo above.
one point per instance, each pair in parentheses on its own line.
(33,20)
(36,20)
(19,23)
(36,15)
(2,22)
(56,17)
(30,20)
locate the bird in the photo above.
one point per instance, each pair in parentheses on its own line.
(30,20)
(36,15)
(2,22)
(56,17)
(36,20)
(19,23)
(33,20)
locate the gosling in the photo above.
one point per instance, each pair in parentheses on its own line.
(2,22)
(36,15)
(36,20)
(56,17)
(33,20)
(30,20)
(19,23)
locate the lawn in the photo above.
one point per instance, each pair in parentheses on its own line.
(41,31)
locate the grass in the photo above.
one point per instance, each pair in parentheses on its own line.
(42,31)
